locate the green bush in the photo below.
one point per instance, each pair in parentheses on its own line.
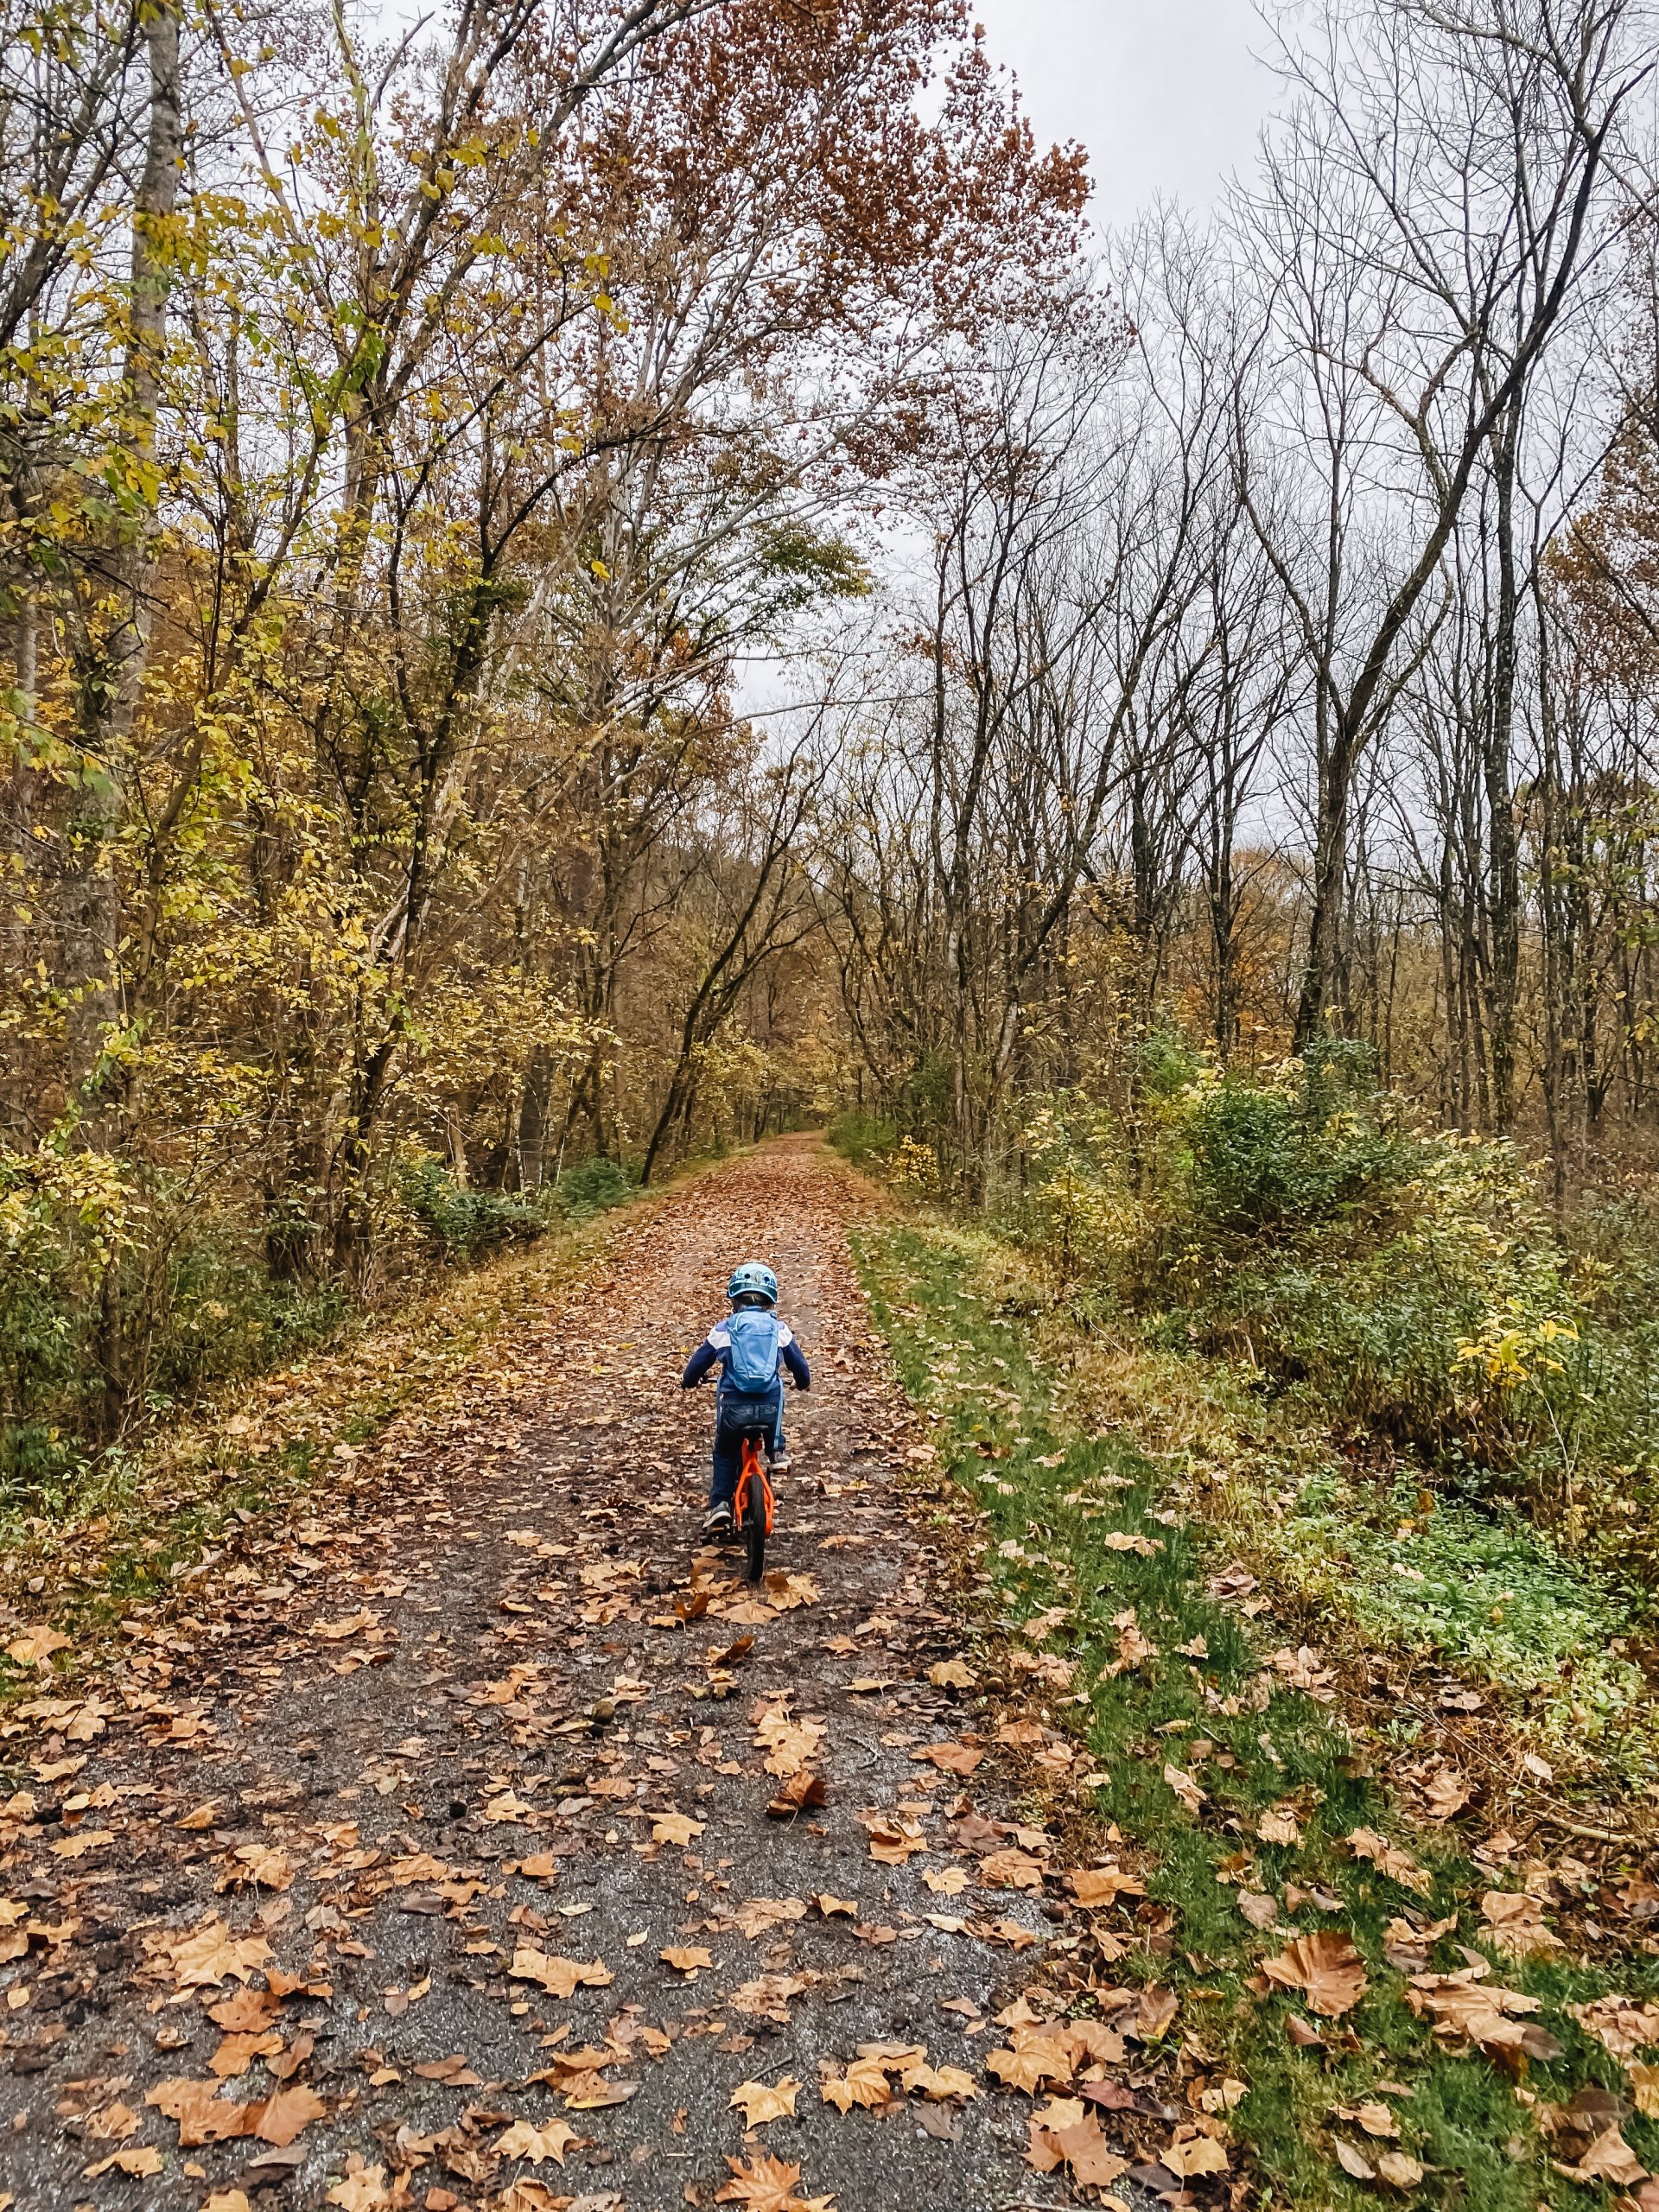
(592,1187)
(861,1136)
(1399,1284)
(464,1222)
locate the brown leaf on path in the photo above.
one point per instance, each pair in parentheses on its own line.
(207,1955)
(1098,1886)
(551,2141)
(951,1674)
(140,2161)
(759,2101)
(833,1907)
(245,2011)
(1010,1870)
(1326,1967)
(952,1756)
(456,2070)
(1198,2154)
(559,1977)
(767,2184)
(237,2052)
(689,1962)
(201,2115)
(363,2188)
(800,1792)
(756,1917)
(280,2118)
(894,1837)
(1077,2142)
(675,1828)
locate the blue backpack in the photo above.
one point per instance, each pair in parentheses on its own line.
(752,1363)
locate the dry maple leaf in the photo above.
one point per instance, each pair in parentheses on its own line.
(1326,1967)
(1514,1922)
(559,1977)
(1011,1869)
(521,2140)
(363,2188)
(759,2101)
(1610,2158)
(798,1794)
(1388,1859)
(1279,1825)
(757,1915)
(1399,2169)
(689,1962)
(675,1829)
(1198,2154)
(952,1756)
(1622,2024)
(1184,1788)
(950,1675)
(210,1953)
(1097,1886)
(283,2117)
(766,2184)
(142,2160)
(830,1906)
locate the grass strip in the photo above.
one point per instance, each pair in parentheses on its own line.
(1058,1507)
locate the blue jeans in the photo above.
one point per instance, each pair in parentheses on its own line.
(733,1418)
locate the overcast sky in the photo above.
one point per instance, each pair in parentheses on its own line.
(1164,93)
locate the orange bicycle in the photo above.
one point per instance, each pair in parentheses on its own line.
(752,1503)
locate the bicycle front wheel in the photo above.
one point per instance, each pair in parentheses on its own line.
(754,1534)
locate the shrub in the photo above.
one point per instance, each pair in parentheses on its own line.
(861,1136)
(594,1186)
(461,1221)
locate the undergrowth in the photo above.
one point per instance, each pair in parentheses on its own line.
(1051,1499)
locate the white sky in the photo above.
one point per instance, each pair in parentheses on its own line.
(1164,93)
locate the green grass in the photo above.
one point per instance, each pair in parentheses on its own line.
(968,1365)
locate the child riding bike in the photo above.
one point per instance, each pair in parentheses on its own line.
(750,1347)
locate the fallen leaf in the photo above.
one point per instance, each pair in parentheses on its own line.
(767,2184)
(759,2101)
(521,2140)
(1352,2162)
(1184,1788)
(560,1977)
(675,1829)
(689,1962)
(1326,1967)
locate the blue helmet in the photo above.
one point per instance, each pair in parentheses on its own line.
(754,1280)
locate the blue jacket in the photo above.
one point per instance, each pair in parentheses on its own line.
(712,1352)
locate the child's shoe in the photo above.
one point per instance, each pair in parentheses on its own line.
(717,1521)
(779,1462)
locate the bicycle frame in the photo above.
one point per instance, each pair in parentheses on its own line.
(751,1473)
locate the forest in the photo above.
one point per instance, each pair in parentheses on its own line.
(581,581)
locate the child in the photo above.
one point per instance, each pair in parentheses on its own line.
(748,1348)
